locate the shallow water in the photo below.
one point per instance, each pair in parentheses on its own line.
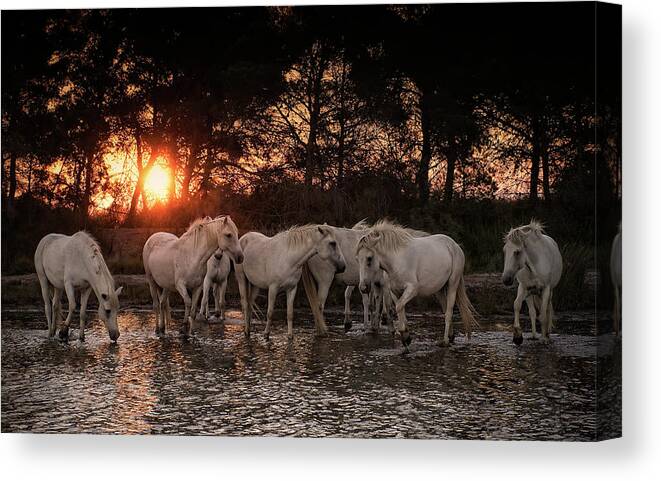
(350,385)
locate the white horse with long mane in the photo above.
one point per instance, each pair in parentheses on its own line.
(180,263)
(275,263)
(534,259)
(75,262)
(416,266)
(616,279)
(218,270)
(323,272)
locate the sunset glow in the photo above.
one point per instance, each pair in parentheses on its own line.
(157,182)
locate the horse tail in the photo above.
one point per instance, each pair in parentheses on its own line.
(313,295)
(466,309)
(549,315)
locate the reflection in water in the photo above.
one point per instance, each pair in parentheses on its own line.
(218,382)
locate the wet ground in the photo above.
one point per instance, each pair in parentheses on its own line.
(347,385)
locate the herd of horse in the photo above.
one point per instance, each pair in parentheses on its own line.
(390,264)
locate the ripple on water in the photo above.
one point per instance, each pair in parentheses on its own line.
(354,385)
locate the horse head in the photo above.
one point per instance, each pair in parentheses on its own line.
(228,237)
(108,308)
(327,248)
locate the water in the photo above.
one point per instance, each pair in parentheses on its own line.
(347,385)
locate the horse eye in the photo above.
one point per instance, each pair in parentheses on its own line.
(333,244)
(228,235)
(104,296)
(108,312)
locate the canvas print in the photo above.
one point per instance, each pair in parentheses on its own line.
(384,221)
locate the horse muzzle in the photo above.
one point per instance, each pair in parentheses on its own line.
(364,288)
(340,267)
(239,259)
(508,280)
(114,335)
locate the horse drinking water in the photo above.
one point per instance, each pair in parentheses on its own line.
(533,258)
(416,266)
(180,263)
(275,263)
(75,262)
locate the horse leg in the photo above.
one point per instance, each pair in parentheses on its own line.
(448,335)
(378,304)
(616,312)
(45,294)
(194,303)
(204,304)
(219,298)
(533,315)
(56,312)
(347,308)
(409,293)
(322,293)
(544,313)
(518,302)
(167,311)
(183,292)
(291,294)
(153,290)
(242,281)
(71,297)
(273,292)
(83,312)
(366,311)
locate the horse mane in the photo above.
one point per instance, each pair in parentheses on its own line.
(298,235)
(361,225)
(96,255)
(386,236)
(194,225)
(517,235)
(91,241)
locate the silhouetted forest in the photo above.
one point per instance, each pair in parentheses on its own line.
(464,119)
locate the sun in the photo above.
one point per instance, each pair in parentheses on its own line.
(157,183)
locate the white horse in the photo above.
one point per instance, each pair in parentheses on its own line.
(323,272)
(75,262)
(533,258)
(218,270)
(416,266)
(616,278)
(180,263)
(275,263)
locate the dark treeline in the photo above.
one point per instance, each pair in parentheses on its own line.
(463,119)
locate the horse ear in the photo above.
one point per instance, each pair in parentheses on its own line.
(104,296)
(223,220)
(119,290)
(322,230)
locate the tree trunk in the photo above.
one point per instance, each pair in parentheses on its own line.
(422,177)
(11,194)
(448,188)
(172,163)
(87,193)
(546,183)
(143,171)
(534,163)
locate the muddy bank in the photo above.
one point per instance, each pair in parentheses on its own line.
(486,291)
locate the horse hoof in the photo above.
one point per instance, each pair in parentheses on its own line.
(247,334)
(518,340)
(406,338)
(451,338)
(267,336)
(534,338)
(347,326)
(64,335)
(444,343)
